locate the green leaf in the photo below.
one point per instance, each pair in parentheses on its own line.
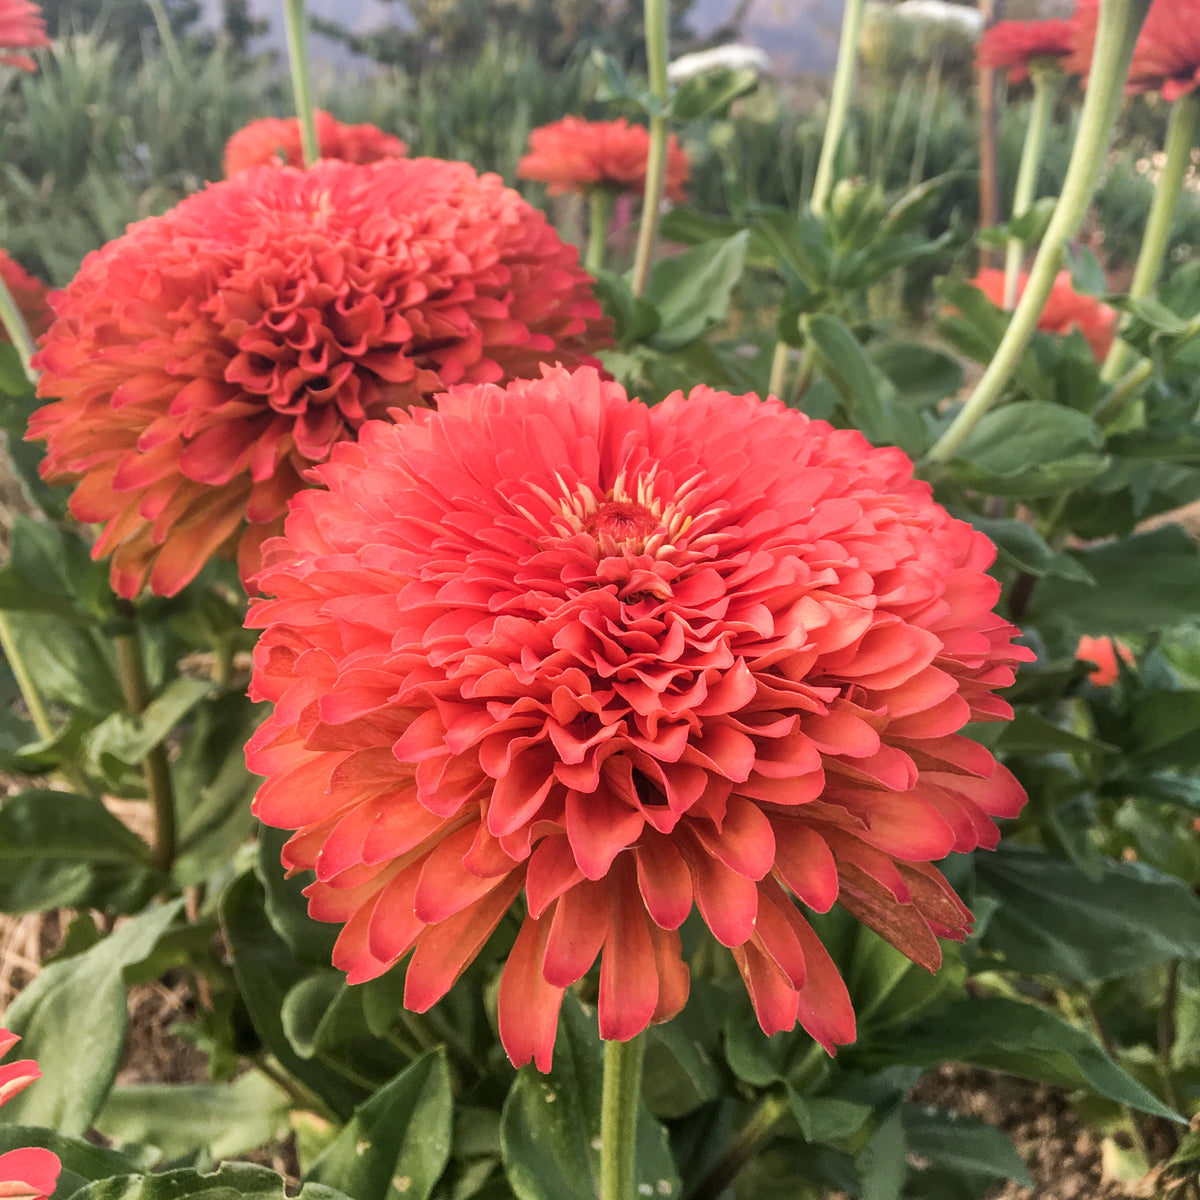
(881,1163)
(398,1142)
(711,93)
(1055,920)
(679,1073)
(921,375)
(1031,733)
(227,1182)
(692,291)
(1143,582)
(128,739)
(287,906)
(1029,448)
(81,1161)
(72,1017)
(68,851)
(178,1119)
(1022,1039)
(1021,546)
(963,1144)
(826,1118)
(551,1124)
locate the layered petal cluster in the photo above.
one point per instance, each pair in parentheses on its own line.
(28,1174)
(1166,57)
(22,27)
(1065,310)
(1102,653)
(574,155)
(29,294)
(275,141)
(1012,45)
(548,647)
(202,362)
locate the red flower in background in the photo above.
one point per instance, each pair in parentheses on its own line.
(574,155)
(276,140)
(1166,58)
(1103,653)
(626,660)
(29,293)
(1065,310)
(1013,45)
(206,359)
(28,1174)
(21,27)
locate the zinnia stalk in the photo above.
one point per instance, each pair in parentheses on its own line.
(276,140)
(1065,309)
(549,650)
(204,361)
(22,27)
(574,155)
(1012,45)
(1166,56)
(28,1174)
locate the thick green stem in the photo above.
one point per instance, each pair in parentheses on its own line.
(839,103)
(29,692)
(598,218)
(745,1144)
(1120,22)
(657,36)
(1181,137)
(779,368)
(155,769)
(618,1117)
(296,19)
(17,330)
(1045,87)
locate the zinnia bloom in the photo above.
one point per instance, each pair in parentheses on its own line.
(206,359)
(21,27)
(28,1174)
(574,155)
(28,293)
(276,140)
(1065,310)
(1013,45)
(549,642)
(1166,57)
(1103,653)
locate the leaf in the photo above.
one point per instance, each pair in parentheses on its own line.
(128,739)
(228,1181)
(1053,919)
(1029,448)
(1143,582)
(966,1145)
(692,291)
(68,851)
(1031,733)
(178,1119)
(81,1161)
(921,375)
(72,1020)
(711,93)
(826,1118)
(551,1124)
(679,1073)
(398,1142)
(881,1162)
(1021,546)
(1022,1039)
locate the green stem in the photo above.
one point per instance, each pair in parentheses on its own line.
(1120,21)
(839,103)
(618,1117)
(745,1145)
(657,35)
(1045,87)
(1129,384)
(296,19)
(29,692)
(155,768)
(779,367)
(18,332)
(601,212)
(1181,136)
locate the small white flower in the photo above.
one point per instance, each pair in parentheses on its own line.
(733,57)
(968,20)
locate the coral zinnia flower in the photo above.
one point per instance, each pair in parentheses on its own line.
(1013,45)
(28,1174)
(21,27)
(29,294)
(574,155)
(546,640)
(1065,310)
(207,358)
(1103,653)
(1166,57)
(276,140)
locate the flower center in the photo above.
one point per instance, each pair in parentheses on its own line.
(621,521)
